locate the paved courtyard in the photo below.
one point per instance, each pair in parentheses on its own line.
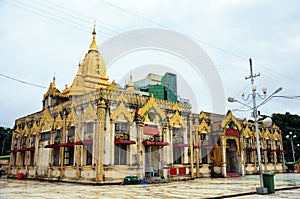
(286,185)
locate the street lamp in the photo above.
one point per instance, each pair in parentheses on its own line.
(291,136)
(254,94)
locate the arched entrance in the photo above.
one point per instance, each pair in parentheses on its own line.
(232,156)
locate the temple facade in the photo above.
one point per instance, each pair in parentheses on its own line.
(96,132)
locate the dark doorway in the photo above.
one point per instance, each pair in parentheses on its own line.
(232,156)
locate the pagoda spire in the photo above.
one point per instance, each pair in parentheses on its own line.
(130,86)
(93,45)
(53,82)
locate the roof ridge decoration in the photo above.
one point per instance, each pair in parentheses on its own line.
(121,97)
(176,107)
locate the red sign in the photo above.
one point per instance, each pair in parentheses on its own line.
(233,132)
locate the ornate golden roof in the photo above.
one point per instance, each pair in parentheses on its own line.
(91,74)
(53,91)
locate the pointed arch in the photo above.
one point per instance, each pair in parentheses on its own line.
(46,121)
(152,105)
(267,134)
(35,128)
(230,117)
(90,113)
(203,127)
(177,120)
(26,131)
(72,118)
(121,113)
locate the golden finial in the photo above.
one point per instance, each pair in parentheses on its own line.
(130,86)
(53,82)
(93,45)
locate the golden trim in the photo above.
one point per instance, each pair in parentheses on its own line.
(177,120)
(229,117)
(203,115)
(151,104)
(203,127)
(90,113)
(47,121)
(115,114)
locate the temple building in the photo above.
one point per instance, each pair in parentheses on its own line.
(96,132)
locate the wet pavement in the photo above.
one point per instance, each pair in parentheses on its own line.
(286,185)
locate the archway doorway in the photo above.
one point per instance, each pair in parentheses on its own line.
(232,160)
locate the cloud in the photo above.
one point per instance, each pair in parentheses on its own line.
(35,46)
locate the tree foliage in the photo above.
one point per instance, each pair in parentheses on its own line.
(5,139)
(289,123)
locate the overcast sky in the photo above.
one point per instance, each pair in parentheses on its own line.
(40,38)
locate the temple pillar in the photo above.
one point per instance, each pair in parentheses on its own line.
(190,124)
(223,151)
(99,138)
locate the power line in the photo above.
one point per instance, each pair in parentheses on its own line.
(195,38)
(114,29)
(21,81)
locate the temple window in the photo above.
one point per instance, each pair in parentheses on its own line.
(58,136)
(204,151)
(122,131)
(88,131)
(31,163)
(71,134)
(177,155)
(204,155)
(89,154)
(247,150)
(56,155)
(178,151)
(33,138)
(120,154)
(89,128)
(45,136)
(69,156)
(270,155)
(122,127)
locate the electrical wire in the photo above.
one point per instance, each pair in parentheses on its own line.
(195,38)
(114,29)
(21,81)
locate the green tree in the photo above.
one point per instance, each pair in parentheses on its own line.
(5,139)
(289,123)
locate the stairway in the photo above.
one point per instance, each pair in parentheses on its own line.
(232,175)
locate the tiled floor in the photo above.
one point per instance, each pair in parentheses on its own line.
(198,188)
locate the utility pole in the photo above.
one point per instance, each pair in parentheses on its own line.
(251,77)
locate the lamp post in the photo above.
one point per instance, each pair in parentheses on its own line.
(291,136)
(261,189)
